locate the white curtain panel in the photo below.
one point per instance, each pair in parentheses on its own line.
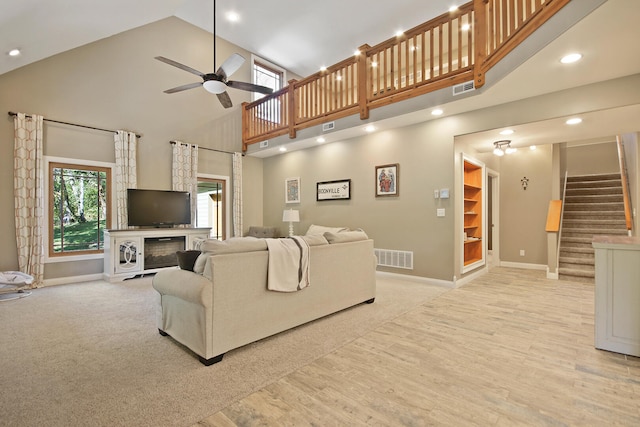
(126,173)
(184,172)
(237,194)
(28,181)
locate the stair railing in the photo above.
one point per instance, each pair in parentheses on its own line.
(624,174)
(563,197)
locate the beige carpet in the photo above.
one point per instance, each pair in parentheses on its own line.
(90,354)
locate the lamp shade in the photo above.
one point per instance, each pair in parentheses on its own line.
(291,215)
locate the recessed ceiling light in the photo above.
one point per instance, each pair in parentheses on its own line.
(507,132)
(532,147)
(370,128)
(233,17)
(323,68)
(465,27)
(374,64)
(453,8)
(320,140)
(14,52)
(437,112)
(357,52)
(399,33)
(571,58)
(338,77)
(574,121)
(282,149)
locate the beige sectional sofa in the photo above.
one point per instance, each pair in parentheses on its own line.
(229,305)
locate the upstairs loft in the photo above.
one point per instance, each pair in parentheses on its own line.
(455,49)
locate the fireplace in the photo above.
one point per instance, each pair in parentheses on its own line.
(160,252)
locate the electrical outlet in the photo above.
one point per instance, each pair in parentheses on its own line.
(440,212)
(521,252)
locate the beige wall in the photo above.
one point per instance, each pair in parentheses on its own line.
(587,159)
(116,83)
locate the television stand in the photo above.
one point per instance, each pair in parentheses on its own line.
(136,252)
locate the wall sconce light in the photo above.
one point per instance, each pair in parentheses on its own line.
(503,146)
(525,182)
(291,216)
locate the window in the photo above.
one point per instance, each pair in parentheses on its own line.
(212,206)
(269,75)
(79,208)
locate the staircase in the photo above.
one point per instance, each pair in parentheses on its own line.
(593,205)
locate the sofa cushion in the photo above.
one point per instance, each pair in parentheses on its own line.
(187,259)
(263,232)
(315,240)
(233,245)
(320,229)
(346,236)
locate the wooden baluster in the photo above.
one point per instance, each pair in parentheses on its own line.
(365,87)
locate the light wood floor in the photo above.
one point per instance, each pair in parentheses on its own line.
(509,349)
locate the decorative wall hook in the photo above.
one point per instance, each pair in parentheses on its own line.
(524,181)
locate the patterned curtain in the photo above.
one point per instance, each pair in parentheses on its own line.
(237,194)
(184,172)
(126,173)
(28,181)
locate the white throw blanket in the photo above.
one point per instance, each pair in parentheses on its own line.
(288,264)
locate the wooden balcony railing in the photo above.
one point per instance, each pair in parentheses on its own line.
(453,48)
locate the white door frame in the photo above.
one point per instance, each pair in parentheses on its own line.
(494,227)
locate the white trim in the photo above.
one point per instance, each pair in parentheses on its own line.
(471,276)
(553,276)
(417,279)
(523,265)
(53,159)
(73,279)
(227,198)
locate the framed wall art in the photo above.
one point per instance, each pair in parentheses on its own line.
(333,190)
(387,180)
(292,190)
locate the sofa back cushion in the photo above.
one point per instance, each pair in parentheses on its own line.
(346,236)
(320,230)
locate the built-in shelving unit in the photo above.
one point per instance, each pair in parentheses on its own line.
(473,232)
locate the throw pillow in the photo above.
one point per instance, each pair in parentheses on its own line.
(319,229)
(187,259)
(346,236)
(233,245)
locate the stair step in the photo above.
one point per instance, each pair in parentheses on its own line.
(581,232)
(582,253)
(579,279)
(594,177)
(576,272)
(602,207)
(594,223)
(596,215)
(566,261)
(592,191)
(596,198)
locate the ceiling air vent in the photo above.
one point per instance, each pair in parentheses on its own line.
(264,144)
(463,88)
(328,126)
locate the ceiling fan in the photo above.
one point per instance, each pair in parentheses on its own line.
(217,82)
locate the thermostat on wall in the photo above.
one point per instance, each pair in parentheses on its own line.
(444,193)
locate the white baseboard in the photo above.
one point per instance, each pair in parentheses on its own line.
(72,279)
(469,277)
(554,276)
(417,279)
(523,265)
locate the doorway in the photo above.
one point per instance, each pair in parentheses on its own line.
(211,206)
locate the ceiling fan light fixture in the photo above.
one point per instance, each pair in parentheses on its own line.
(214,86)
(498,151)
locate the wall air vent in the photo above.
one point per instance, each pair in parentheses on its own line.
(397,259)
(264,144)
(328,126)
(463,88)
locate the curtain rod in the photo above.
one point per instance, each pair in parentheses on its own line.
(11,113)
(206,148)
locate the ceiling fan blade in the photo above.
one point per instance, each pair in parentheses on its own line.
(250,87)
(179,65)
(230,66)
(183,87)
(225,100)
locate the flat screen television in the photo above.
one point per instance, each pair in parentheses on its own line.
(158,208)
